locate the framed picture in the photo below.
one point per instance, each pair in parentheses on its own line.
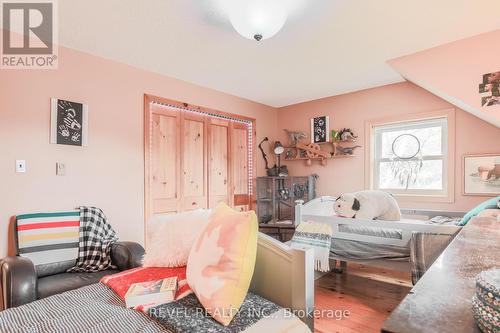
(68,122)
(481,174)
(490,89)
(320,129)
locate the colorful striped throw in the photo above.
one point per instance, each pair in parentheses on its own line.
(46,238)
(317,236)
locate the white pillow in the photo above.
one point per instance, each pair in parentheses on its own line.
(170,237)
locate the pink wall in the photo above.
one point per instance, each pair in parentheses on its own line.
(473,135)
(109,172)
(453,71)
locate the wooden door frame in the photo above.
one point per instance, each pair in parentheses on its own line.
(148,99)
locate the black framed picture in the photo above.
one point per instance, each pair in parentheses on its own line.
(490,89)
(69,122)
(320,129)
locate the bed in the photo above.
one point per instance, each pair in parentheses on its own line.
(283,279)
(386,244)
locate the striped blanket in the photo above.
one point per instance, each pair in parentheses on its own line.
(46,238)
(317,236)
(97,309)
(425,248)
(78,236)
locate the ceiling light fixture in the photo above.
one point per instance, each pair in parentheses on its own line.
(257,19)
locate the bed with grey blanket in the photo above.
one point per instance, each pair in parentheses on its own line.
(421,252)
(97,309)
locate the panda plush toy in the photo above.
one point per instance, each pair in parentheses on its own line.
(370,205)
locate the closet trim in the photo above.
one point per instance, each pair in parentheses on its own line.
(181,106)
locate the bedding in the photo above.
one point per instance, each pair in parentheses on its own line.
(97,309)
(121,282)
(317,236)
(488,204)
(421,252)
(222,260)
(171,237)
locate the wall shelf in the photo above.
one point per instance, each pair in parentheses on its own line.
(313,152)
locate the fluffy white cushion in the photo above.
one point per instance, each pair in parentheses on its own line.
(170,237)
(370,205)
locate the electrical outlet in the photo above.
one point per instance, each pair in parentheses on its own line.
(60,169)
(20,165)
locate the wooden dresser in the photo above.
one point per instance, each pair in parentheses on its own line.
(442,300)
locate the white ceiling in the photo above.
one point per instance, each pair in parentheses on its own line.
(327,47)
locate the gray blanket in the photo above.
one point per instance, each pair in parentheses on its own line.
(94,308)
(190,316)
(97,309)
(423,250)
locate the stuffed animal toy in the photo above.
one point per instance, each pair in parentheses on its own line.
(370,205)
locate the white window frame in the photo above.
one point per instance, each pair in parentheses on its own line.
(437,122)
(444,117)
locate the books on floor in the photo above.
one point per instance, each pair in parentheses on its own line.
(151,292)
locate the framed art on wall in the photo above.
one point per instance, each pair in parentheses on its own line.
(69,122)
(481,174)
(320,129)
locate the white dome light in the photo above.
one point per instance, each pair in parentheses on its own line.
(257,19)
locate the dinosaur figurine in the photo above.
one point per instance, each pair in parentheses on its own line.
(346,134)
(295,136)
(345,150)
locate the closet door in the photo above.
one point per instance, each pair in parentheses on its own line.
(239,158)
(193,161)
(218,150)
(164,145)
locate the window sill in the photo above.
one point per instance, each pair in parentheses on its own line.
(424,198)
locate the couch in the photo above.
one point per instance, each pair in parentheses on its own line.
(22,282)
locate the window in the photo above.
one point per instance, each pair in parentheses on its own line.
(411,158)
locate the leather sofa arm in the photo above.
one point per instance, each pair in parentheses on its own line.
(126,255)
(19,281)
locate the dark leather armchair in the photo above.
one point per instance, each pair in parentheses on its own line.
(22,282)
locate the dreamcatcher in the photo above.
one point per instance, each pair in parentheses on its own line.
(406,159)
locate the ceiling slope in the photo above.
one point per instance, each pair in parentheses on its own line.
(454,71)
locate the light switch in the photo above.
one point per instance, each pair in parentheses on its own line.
(20,165)
(60,169)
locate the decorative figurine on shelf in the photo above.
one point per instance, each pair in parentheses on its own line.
(339,150)
(346,134)
(290,154)
(295,136)
(335,135)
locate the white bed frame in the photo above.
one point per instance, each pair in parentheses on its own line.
(285,276)
(321,210)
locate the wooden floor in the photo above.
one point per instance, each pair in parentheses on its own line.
(358,300)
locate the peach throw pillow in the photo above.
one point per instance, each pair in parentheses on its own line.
(221,262)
